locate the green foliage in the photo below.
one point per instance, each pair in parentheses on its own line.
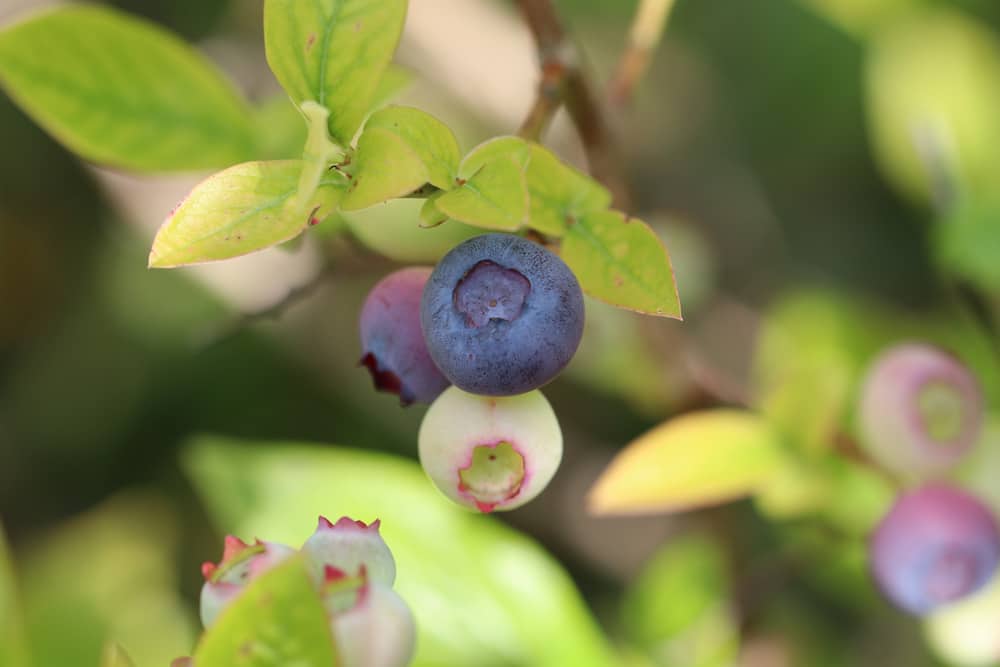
(933,106)
(493,193)
(622,261)
(333,52)
(481,593)
(13,646)
(278,620)
(240,210)
(560,195)
(968,242)
(700,458)
(107,577)
(115,656)
(677,609)
(401,149)
(121,91)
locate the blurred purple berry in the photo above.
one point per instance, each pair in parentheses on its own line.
(240,564)
(921,409)
(937,544)
(392,341)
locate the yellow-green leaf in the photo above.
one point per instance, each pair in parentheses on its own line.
(493,193)
(238,211)
(394,79)
(333,52)
(698,459)
(430,214)
(623,262)
(278,620)
(13,645)
(560,194)
(122,91)
(115,656)
(400,149)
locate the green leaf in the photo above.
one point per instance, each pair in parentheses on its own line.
(481,593)
(121,91)
(493,193)
(13,645)
(400,149)
(678,608)
(968,242)
(394,79)
(430,214)
(560,195)
(698,459)
(279,128)
(104,577)
(333,52)
(278,620)
(623,262)
(932,102)
(238,211)
(115,656)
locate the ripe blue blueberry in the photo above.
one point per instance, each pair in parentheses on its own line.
(392,341)
(920,409)
(937,544)
(501,315)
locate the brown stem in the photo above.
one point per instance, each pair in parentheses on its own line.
(644,36)
(559,56)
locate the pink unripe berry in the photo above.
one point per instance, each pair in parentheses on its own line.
(394,351)
(347,547)
(241,563)
(490,452)
(378,631)
(921,409)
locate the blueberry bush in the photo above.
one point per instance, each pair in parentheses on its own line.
(804,471)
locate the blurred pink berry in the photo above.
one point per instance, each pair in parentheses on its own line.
(921,409)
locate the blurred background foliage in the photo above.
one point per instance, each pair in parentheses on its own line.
(825,173)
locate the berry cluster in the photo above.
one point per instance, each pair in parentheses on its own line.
(497,318)
(921,411)
(352,569)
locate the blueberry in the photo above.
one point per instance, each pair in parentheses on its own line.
(501,315)
(937,544)
(392,341)
(490,453)
(920,409)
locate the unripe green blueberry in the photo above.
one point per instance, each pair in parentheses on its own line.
(921,409)
(490,452)
(348,546)
(241,563)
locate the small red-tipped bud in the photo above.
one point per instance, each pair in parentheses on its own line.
(241,563)
(347,546)
(376,631)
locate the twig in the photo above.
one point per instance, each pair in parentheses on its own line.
(559,56)
(547,102)
(644,36)
(227,330)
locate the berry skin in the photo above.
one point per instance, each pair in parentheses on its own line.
(347,547)
(490,453)
(376,629)
(241,563)
(937,544)
(392,341)
(501,315)
(921,409)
